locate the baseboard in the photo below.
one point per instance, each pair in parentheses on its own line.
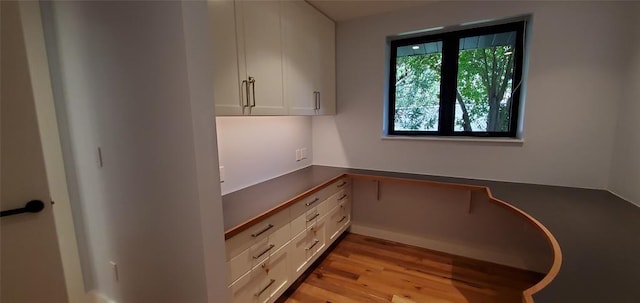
(450,248)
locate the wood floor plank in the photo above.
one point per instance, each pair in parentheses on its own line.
(365,269)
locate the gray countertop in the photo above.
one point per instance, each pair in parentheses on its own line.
(599,233)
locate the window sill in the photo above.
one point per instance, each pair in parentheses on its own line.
(514,141)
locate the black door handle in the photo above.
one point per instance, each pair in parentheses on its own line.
(33,206)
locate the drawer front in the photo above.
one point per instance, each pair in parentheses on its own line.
(257,253)
(242,241)
(338,220)
(304,247)
(346,211)
(265,282)
(318,197)
(335,220)
(305,221)
(332,202)
(341,184)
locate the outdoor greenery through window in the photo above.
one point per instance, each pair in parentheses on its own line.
(462,83)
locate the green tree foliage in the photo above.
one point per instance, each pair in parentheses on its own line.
(483,92)
(418,91)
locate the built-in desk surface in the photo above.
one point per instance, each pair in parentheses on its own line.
(598,232)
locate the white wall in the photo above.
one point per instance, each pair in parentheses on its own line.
(625,172)
(131,78)
(255,149)
(573,85)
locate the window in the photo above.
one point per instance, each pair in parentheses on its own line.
(461,83)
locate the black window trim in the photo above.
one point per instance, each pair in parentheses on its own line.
(449,76)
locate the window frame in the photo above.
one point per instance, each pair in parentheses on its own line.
(449,81)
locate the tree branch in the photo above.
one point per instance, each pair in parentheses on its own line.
(466,121)
(485,65)
(508,72)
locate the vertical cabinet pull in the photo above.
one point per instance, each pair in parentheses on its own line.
(245,86)
(252,81)
(316,95)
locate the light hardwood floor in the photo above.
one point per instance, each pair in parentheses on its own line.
(364,269)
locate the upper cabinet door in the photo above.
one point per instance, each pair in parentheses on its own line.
(227,90)
(259,32)
(327,59)
(309,52)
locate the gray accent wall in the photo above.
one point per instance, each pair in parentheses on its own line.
(625,167)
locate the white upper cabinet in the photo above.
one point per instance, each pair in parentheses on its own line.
(272,58)
(227,91)
(259,31)
(247,57)
(309,60)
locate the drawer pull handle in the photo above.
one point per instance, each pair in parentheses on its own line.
(343,217)
(311,202)
(264,252)
(314,216)
(342,184)
(265,288)
(313,245)
(342,198)
(270,226)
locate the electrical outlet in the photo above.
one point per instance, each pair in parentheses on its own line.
(114,269)
(298,155)
(303,153)
(221,174)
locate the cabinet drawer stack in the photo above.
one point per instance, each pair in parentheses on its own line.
(265,259)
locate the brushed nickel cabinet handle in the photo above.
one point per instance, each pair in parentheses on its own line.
(245,86)
(315,242)
(271,246)
(252,81)
(311,202)
(314,216)
(316,96)
(270,226)
(265,288)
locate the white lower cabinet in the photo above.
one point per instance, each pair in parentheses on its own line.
(265,282)
(306,246)
(265,259)
(258,252)
(338,219)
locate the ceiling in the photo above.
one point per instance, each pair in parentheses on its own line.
(341,10)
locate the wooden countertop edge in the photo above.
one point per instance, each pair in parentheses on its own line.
(527,294)
(243,226)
